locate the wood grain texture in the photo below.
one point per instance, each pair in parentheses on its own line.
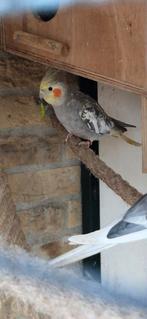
(37,42)
(1,35)
(107,42)
(144,134)
(29,150)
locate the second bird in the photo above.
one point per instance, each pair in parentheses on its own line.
(81,115)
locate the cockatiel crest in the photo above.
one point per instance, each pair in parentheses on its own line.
(81,115)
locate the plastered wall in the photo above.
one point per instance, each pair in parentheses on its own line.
(124,268)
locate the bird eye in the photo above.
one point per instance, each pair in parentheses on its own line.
(50,88)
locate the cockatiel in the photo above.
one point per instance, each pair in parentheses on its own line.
(81,115)
(132,227)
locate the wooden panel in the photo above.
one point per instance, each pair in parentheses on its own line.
(144,134)
(52,47)
(107,42)
(112,41)
(1,35)
(58,29)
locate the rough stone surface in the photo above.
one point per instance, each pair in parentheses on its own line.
(43,174)
(44,184)
(68,153)
(10,228)
(19,111)
(29,150)
(73,214)
(19,73)
(43,223)
(54,249)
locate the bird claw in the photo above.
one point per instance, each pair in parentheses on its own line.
(67,137)
(85,143)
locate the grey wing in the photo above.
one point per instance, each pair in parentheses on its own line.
(97,121)
(124,228)
(89,116)
(137,214)
(134,220)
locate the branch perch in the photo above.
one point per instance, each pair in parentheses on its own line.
(97,167)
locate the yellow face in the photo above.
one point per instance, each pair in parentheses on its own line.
(52,93)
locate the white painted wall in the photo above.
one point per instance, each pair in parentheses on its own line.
(124,268)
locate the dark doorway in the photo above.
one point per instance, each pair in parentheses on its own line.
(90,193)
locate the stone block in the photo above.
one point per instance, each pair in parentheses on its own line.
(42,223)
(54,249)
(20,111)
(44,184)
(29,150)
(74,214)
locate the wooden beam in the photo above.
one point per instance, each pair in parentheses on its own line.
(51,46)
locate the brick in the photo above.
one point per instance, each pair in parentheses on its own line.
(29,150)
(44,184)
(18,72)
(74,214)
(68,153)
(42,223)
(54,249)
(20,111)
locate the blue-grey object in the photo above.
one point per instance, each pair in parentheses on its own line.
(131,227)
(9,7)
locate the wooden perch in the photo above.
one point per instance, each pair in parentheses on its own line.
(10,229)
(29,40)
(97,167)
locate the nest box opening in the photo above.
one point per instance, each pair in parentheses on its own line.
(47,14)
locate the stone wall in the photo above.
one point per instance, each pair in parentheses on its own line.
(43,174)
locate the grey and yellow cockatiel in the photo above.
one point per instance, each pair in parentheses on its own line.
(81,115)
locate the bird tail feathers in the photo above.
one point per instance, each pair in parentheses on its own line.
(90,244)
(78,254)
(116,132)
(93,238)
(121,125)
(129,140)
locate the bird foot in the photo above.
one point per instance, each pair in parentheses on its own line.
(67,137)
(85,143)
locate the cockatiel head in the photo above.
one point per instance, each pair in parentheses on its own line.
(55,86)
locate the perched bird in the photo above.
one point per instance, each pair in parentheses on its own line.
(81,115)
(132,227)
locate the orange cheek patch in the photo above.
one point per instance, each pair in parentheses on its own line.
(57,92)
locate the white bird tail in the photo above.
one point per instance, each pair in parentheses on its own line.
(90,244)
(77,254)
